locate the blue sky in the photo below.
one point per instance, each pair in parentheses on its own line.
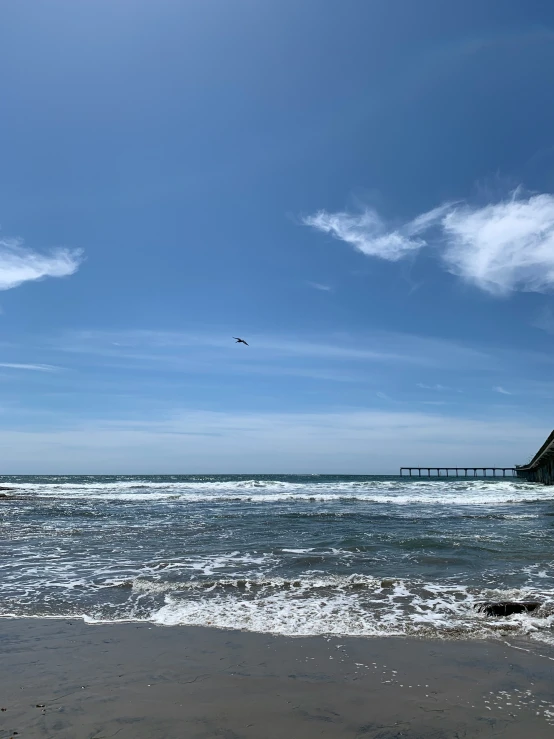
(362,190)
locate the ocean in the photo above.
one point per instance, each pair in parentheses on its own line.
(284,554)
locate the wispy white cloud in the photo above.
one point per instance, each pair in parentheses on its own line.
(503,246)
(19,264)
(501,390)
(499,247)
(438,388)
(33,367)
(368,233)
(320,286)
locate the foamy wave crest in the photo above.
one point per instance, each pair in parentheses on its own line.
(392,492)
(353,606)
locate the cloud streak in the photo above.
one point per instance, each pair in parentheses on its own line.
(368,233)
(32,367)
(499,247)
(18,264)
(320,286)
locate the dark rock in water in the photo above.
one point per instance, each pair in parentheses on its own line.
(507,607)
(3,496)
(3,487)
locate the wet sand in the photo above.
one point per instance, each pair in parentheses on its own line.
(68,680)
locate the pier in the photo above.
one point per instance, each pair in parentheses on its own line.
(541,467)
(460,471)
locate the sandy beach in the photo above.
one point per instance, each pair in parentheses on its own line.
(70,680)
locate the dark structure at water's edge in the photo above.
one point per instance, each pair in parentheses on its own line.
(541,467)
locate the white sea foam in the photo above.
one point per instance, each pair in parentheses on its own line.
(346,605)
(334,606)
(299,551)
(392,492)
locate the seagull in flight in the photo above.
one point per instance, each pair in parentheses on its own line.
(241,341)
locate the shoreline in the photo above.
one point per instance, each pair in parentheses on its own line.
(62,678)
(498,631)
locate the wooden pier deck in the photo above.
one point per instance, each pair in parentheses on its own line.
(445,471)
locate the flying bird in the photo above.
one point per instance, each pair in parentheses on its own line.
(240,341)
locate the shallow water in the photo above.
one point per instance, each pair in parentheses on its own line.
(283,554)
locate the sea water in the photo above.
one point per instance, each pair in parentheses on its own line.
(286,554)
